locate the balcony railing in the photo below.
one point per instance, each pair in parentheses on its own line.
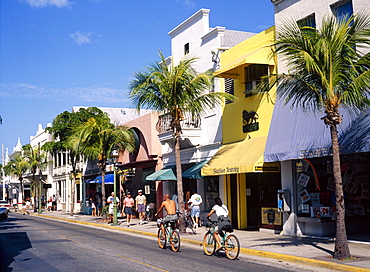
(164,123)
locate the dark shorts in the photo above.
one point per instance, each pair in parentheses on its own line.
(128,210)
(140,208)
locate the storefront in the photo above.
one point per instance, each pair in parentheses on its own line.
(301,142)
(249,185)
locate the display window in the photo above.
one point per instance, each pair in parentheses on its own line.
(316,188)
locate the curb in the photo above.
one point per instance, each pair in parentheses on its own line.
(247,251)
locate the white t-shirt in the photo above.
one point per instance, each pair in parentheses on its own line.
(140,199)
(195,200)
(111,198)
(220,210)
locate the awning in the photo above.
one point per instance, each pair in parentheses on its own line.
(109,179)
(257,56)
(298,134)
(165,173)
(194,171)
(241,157)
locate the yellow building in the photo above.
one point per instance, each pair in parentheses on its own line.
(248,184)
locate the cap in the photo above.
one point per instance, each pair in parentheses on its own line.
(140,191)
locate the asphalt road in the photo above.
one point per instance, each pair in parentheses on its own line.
(30,243)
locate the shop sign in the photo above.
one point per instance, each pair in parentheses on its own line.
(271,216)
(226,170)
(250,121)
(273,169)
(317,152)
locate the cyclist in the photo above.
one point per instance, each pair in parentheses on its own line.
(222,217)
(170,207)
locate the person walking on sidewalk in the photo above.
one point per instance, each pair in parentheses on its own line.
(128,203)
(140,201)
(54,203)
(110,202)
(195,201)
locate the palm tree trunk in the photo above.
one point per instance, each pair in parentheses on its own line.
(73,195)
(180,190)
(341,250)
(104,200)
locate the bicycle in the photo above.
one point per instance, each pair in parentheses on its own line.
(189,222)
(229,242)
(149,212)
(171,235)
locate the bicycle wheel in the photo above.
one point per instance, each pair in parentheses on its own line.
(232,247)
(190,224)
(161,238)
(175,240)
(209,243)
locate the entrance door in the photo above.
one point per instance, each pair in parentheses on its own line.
(234,201)
(253,200)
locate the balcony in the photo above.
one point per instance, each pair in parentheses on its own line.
(191,131)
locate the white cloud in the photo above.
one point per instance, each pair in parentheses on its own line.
(46,3)
(81,37)
(93,94)
(187,3)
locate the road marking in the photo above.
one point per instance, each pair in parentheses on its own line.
(143,263)
(71,240)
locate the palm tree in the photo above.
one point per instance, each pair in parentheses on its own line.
(97,138)
(327,70)
(62,129)
(176,91)
(37,160)
(18,167)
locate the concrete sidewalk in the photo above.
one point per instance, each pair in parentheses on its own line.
(300,250)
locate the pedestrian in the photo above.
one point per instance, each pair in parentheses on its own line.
(194,204)
(98,200)
(110,202)
(43,201)
(93,207)
(24,207)
(50,203)
(128,203)
(176,199)
(15,204)
(54,203)
(140,201)
(28,203)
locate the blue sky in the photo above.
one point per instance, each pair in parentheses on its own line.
(55,54)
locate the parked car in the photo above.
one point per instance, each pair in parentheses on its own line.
(5,204)
(3,213)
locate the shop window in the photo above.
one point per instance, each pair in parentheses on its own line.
(212,190)
(342,10)
(253,74)
(308,21)
(229,88)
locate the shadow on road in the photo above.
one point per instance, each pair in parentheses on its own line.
(12,244)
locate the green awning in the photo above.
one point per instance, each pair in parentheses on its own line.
(194,172)
(165,173)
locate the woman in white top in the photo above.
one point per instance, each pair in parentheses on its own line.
(221,211)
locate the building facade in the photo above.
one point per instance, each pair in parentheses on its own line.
(301,142)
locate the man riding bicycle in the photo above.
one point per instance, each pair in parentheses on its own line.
(171,216)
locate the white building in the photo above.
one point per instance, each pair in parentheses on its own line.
(304,150)
(202,137)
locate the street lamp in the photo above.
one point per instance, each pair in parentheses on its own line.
(40,193)
(114,157)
